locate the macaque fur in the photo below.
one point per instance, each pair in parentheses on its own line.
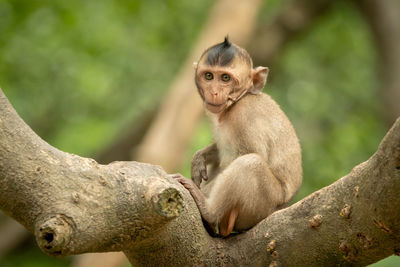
(254,166)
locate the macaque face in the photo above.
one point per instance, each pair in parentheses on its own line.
(219,86)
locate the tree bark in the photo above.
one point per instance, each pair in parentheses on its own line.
(74,205)
(68,202)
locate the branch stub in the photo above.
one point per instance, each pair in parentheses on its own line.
(169,203)
(54,235)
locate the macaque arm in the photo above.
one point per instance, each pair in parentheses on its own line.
(211,153)
(203,157)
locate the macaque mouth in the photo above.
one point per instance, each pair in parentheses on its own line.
(215,108)
(215,105)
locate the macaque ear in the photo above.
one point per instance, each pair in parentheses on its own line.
(195,64)
(260,75)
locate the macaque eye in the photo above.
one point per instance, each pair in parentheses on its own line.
(208,76)
(225,77)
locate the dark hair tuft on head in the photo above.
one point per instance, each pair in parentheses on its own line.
(221,54)
(226,41)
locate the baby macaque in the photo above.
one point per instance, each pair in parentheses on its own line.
(254,166)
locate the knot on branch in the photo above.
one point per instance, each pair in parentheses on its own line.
(350,253)
(346,211)
(315,221)
(271,246)
(54,234)
(168,203)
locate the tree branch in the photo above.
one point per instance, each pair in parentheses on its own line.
(354,221)
(74,205)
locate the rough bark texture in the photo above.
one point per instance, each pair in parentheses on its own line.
(74,205)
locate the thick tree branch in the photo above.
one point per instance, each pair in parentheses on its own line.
(354,222)
(74,205)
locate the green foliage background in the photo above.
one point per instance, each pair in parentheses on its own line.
(78,71)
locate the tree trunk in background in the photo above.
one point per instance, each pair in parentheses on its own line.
(12,234)
(294,18)
(383,17)
(110,259)
(127,139)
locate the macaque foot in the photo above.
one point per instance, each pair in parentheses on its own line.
(187,183)
(194,191)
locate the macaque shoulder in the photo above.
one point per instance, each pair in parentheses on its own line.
(260,108)
(257,124)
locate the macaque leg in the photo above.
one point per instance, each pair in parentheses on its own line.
(244,193)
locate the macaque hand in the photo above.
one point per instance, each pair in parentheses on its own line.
(199,168)
(187,183)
